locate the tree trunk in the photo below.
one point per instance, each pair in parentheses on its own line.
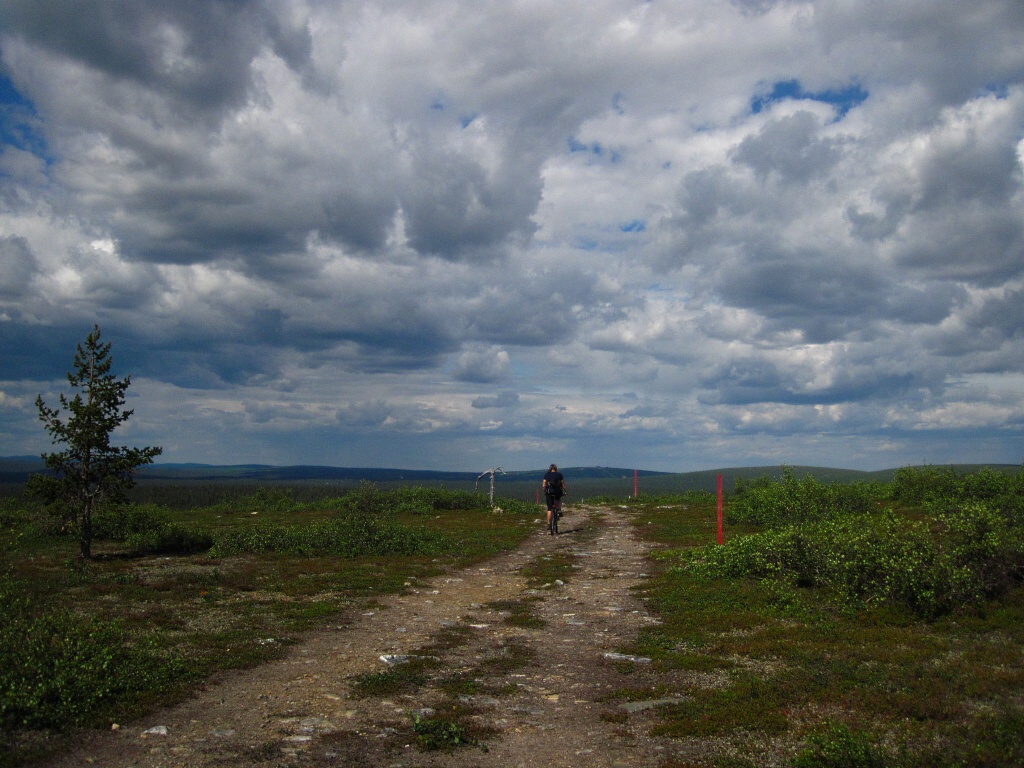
(86,526)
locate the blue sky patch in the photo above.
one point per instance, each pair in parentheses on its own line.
(578,146)
(19,123)
(636,225)
(596,149)
(843,99)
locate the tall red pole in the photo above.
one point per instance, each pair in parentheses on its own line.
(635,494)
(719,509)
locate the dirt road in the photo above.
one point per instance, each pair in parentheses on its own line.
(522,666)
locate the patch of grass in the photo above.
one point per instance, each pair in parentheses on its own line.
(440,733)
(750,704)
(669,654)
(400,678)
(447,638)
(547,569)
(451,726)
(520,612)
(839,747)
(461,684)
(509,657)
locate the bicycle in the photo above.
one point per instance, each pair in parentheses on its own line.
(556,512)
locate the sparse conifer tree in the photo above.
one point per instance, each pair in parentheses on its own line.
(89,471)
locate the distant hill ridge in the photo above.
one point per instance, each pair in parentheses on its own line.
(17,469)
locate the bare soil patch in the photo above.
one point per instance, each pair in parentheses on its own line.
(508,663)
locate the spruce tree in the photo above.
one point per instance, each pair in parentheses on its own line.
(89,471)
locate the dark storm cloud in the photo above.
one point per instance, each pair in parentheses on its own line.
(976,245)
(252,218)
(207,366)
(988,335)
(823,297)
(454,207)
(32,351)
(951,55)
(501,400)
(17,267)
(758,380)
(196,52)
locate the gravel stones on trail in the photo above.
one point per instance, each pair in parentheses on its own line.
(509,668)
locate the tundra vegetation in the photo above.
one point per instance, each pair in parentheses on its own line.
(174,596)
(841,625)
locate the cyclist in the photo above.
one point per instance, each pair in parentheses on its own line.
(554,490)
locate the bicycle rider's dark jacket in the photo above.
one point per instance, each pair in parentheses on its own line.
(554,484)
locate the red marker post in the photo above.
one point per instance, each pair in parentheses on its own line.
(719,509)
(635,494)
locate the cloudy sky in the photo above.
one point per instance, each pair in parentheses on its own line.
(451,235)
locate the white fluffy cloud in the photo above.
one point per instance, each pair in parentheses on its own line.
(435,235)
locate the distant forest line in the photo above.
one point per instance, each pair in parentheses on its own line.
(582,481)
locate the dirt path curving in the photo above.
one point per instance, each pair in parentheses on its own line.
(522,665)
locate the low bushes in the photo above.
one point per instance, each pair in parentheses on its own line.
(929,485)
(148,530)
(515,506)
(839,747)
(59,670)
(347,536)
(365,523)
(952,561)
(792,501)
(368,499)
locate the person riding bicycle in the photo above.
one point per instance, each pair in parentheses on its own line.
(554,490)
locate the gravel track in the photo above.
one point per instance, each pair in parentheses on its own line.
(538,688)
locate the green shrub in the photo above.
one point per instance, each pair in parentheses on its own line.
(515,506)
(369,500)
(441,733)
(348,536)
(264,500)
(171,539)
(401,678)
(148,530)
(435,499)
(930,568)
(984,546)
(118,522)
(839,747)
(792,501)
(59,670)
(11,514)
(943,485)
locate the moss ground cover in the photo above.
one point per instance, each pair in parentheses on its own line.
(775,635)
(90,642)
